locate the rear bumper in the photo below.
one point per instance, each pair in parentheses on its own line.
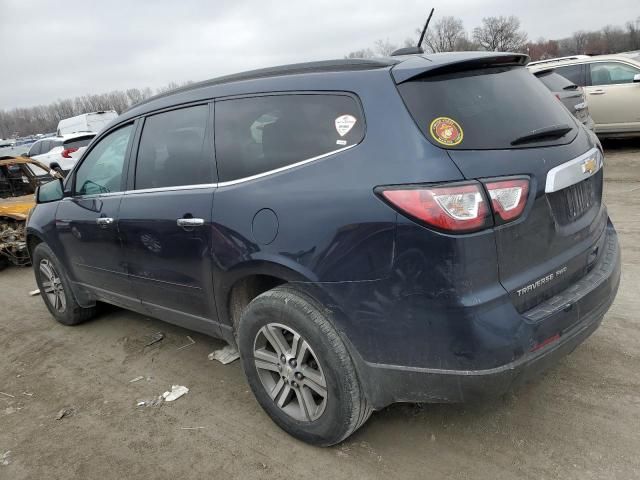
(586,302)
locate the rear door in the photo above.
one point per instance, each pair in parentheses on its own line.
(558,232)
(570,94)
(165,218)
(614,99)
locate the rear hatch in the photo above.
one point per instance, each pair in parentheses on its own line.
(570,94)
(509,124)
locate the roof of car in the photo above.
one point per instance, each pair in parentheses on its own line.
(67,136)
(558,62)
(350,64)
(407,66)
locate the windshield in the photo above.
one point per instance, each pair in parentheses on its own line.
(485,109)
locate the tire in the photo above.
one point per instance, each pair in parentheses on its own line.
(61,301)
(279,315)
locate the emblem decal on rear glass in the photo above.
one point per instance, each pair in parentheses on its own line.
(344,124)
(446,131)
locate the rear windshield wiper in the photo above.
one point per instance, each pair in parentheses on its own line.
(552,131)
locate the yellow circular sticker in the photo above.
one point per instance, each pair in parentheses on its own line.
(446,131)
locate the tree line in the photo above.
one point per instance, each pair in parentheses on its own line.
(502,34)
(447,34)
(44,118)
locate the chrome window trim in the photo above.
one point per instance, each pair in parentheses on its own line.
(171,189)
(238,180)
(286,167)
(93,195)
(570,173)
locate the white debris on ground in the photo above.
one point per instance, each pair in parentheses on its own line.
(4,458)
(225,355)
(35,292)
(154,402)
(137,379)
(66,412)
(176,392)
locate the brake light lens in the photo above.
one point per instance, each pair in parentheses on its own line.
(508,198)
(66,153)
(452,208)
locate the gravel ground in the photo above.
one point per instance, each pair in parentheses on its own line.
(580,420)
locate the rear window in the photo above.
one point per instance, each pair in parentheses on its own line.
(78,142)
(573,73)
(484,109)
(555,82)
(259,134)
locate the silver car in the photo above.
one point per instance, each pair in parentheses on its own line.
(570,94)
(612,87)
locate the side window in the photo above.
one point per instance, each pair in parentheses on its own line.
(35,149)
(101,171)
(611,73)
(258,134)
(46,146)
(171,151)
(573,73)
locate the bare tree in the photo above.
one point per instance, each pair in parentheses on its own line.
(500,34)
(633,33)
(362,53)
(579,41)
(445,35)
(615,39)
(384,48)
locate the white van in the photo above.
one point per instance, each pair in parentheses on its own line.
(87,122)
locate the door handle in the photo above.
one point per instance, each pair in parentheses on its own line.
(598,92)
(190,222)
(104,221)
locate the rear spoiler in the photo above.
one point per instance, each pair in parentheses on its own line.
(441,63)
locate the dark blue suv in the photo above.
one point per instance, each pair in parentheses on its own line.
(413,229)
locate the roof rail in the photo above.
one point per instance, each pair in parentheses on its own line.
(559,59)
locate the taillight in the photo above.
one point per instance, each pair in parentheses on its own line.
(461,208)
(453,208)
(508,198)
(66,153)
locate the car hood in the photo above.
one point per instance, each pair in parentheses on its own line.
(16,207)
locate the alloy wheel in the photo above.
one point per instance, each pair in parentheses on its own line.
(52,285)
(290,372)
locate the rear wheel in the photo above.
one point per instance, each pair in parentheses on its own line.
(55,288)
(299,369)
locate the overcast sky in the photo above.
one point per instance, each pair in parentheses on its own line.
(58,49)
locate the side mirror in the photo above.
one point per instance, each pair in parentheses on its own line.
(636,78)
(50,192)
(56,166)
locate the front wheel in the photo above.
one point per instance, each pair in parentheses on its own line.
(55,288)
(299,369)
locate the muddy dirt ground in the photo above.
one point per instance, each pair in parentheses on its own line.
(580,420)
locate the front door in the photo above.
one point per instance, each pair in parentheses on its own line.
(165,219)
(87,222)
(613,97)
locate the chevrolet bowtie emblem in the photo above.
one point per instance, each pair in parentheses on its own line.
(590,166)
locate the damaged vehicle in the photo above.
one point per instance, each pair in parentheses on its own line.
(19,179)
(422,228)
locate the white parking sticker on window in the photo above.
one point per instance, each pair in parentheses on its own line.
(344,124)
(341,142)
